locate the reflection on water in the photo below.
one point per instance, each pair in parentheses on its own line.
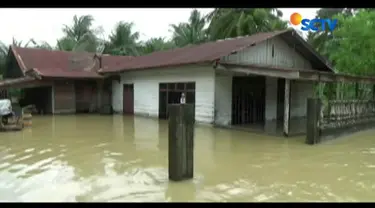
(116,158)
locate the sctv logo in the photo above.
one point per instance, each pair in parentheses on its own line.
(313,24)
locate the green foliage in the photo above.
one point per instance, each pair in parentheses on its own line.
(123,41)
(350,48)
(191,32)
(320,40)
(156,44)
(228,23)
(353,46)
(80,36)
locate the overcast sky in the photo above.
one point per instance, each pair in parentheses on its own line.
(46,24)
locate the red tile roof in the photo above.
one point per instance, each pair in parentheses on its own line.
(208,52)
(59,63)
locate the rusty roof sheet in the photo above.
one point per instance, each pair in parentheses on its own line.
(213,51)
(206,52)
(59,63)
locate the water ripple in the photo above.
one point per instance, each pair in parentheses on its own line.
(61,161)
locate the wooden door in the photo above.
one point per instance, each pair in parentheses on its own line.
(128,99)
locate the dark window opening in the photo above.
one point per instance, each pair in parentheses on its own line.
(180,86)
(171,86)
(163,86)
(248,100)
(172,95)
(273,50)
(190,86)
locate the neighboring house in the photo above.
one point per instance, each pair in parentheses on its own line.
(252,81)
(59,81)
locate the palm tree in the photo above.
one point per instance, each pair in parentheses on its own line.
(19,43)
(80,36)
(226,23)
(192,32)
(43,45)
(155,44)
(3,56)
(123,41)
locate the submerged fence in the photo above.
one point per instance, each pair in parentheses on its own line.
(335,117)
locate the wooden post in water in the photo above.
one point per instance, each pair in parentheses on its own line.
(313,115)
(181,141)
(286,108)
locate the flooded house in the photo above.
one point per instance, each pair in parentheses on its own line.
(258,82)
(59,81)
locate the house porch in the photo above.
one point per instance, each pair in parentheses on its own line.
(269,100)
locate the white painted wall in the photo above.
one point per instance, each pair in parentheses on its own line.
(300,91)
(271,98)
(146,89)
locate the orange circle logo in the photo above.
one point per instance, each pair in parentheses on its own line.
(295,18)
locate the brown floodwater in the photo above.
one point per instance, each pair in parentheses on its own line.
(117,158)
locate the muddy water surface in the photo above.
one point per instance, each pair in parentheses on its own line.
(105,158)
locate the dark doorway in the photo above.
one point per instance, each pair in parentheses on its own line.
(128,99)
(170,93)
(248,100)
(41,97)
